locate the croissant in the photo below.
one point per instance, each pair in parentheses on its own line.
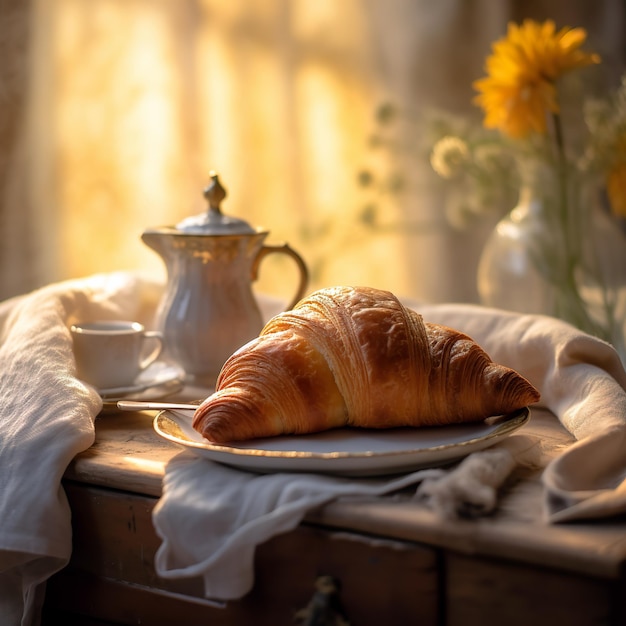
(355,356)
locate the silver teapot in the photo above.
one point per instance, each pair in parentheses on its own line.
(208,309)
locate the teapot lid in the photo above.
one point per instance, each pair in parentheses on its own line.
(213,221)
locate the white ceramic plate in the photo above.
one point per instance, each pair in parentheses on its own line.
(345,451)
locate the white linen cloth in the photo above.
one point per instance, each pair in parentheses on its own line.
(582,381)
(211,518)
(46,418)
(208,513)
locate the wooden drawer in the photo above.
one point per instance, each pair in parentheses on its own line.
(111,575)
(492,591)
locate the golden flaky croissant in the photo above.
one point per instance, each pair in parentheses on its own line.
(355,356)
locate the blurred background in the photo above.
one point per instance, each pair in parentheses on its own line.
(313,113)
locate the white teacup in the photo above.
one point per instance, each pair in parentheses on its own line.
(112,354)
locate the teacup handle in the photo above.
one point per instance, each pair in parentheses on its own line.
(284,249)
(157,336)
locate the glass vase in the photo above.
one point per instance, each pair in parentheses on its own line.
(559,253)
(508,275)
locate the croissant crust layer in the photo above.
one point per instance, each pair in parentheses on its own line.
(355,356)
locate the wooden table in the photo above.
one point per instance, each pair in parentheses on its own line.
(397,563)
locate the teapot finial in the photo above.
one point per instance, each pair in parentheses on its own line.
(213,221)
(214,193)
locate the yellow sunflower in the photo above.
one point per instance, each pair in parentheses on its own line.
(519,89)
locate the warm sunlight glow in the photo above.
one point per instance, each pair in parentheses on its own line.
(117,129)
(277,97)
(143,466)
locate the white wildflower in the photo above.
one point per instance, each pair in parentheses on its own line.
(449,156)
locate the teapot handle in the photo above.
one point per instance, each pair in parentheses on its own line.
(284,249)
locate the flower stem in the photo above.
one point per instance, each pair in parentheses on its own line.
(571,305)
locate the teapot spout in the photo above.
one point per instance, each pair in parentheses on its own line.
(158,242)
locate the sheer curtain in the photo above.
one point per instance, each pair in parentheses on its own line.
(122,107)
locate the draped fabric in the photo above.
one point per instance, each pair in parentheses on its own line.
(116,112)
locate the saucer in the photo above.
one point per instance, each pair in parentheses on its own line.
(156,381)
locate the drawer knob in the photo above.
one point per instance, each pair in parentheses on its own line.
(324,607)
